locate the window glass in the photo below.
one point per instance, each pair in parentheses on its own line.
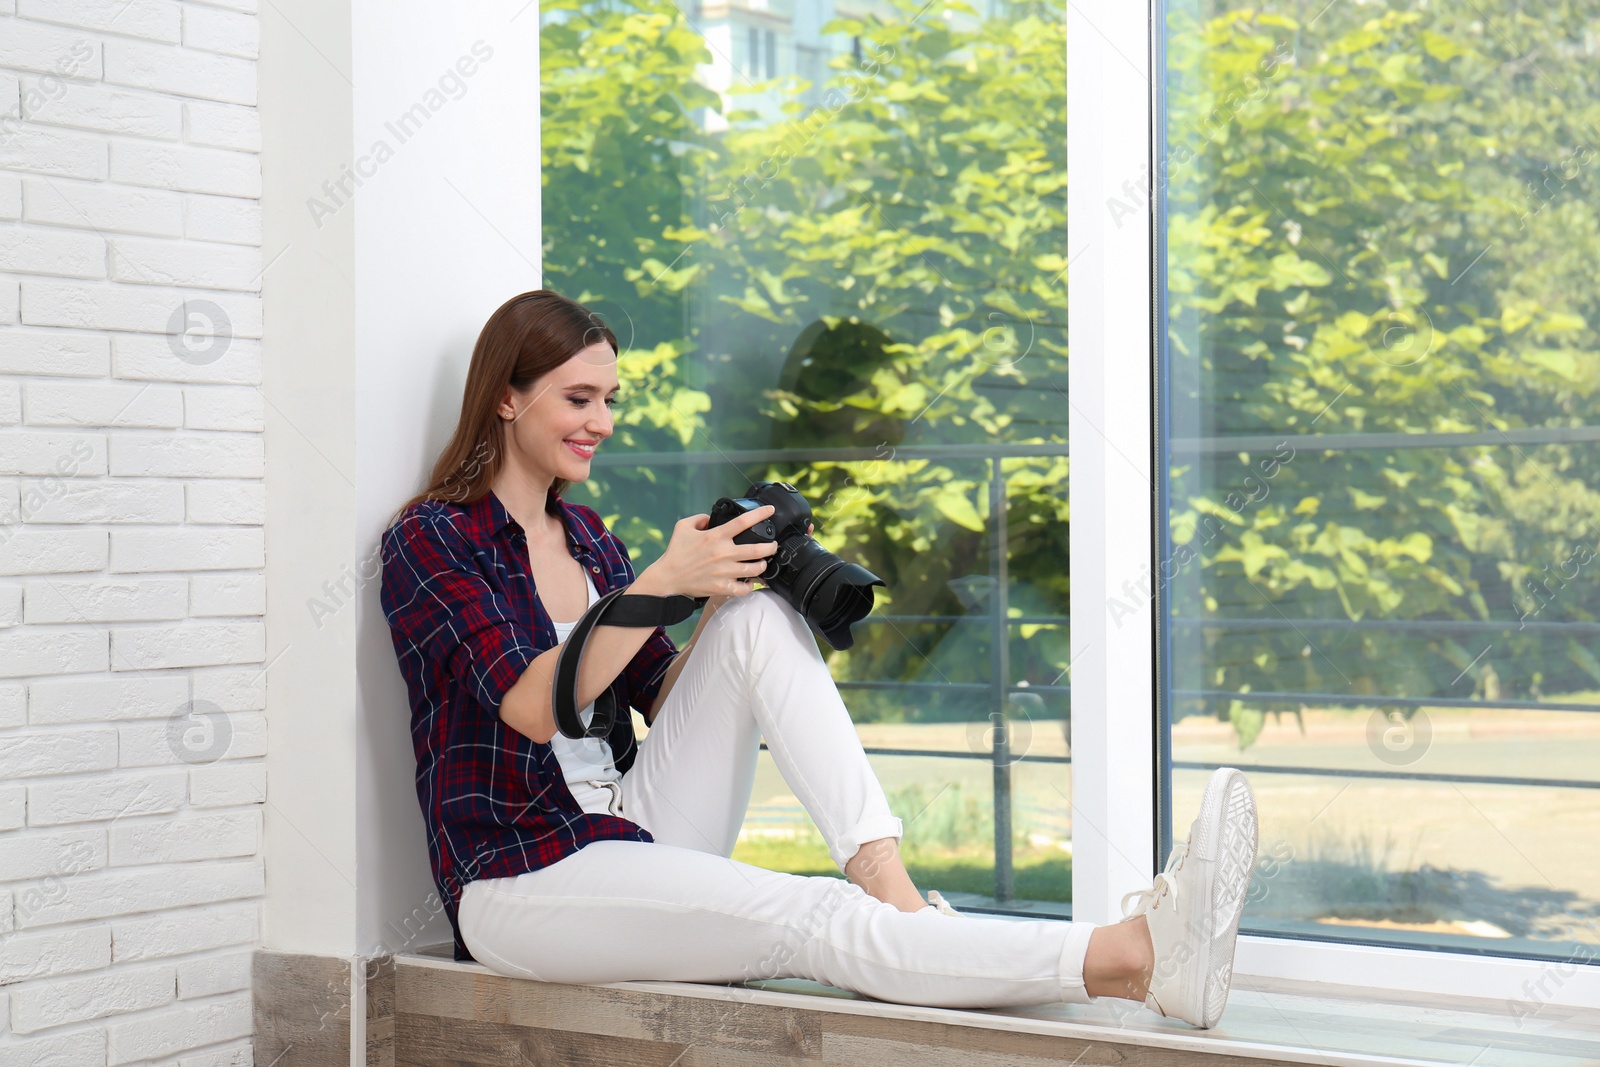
(851,278)
(1379,586)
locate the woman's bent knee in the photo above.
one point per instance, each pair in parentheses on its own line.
(761,615)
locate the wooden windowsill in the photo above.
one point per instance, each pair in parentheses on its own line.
(441,1004)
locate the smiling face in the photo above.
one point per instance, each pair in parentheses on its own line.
(560,419)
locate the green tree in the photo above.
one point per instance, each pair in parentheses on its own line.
(1381,221)
(895,257)
(617,96)
(1350,252)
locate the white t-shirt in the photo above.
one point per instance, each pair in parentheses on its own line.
(587,761)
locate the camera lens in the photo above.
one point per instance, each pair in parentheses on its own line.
(829,593)
(832,595)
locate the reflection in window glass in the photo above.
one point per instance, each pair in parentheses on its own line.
(853,279)
(1381,582)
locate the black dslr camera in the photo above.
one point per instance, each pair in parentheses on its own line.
(829,593)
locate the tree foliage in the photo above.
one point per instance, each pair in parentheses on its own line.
(1380,222)
(1391,232)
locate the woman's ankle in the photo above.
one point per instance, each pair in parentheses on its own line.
(877,868)
(1120,960)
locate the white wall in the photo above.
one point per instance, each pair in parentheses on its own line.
(309,376)
(374,300)
(131,540)
(447,231)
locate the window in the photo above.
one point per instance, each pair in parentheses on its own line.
(1378,587)
(1333,434)
(865,298)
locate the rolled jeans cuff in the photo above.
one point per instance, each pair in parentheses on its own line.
(869,829)
(1074,952)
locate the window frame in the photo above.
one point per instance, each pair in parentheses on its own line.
(1116,304)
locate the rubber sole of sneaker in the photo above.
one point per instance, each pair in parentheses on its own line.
(1229,797)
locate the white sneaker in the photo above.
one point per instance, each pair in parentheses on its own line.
(1193,906)
(938,903)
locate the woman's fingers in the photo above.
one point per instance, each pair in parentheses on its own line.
(750,518)
(716,558)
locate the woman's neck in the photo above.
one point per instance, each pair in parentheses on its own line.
(527,504)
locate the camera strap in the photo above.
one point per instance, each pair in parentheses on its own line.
(616,608)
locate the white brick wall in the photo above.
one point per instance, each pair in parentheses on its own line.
(132,590)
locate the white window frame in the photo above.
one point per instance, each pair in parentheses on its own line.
(1111,102)
(1112,50)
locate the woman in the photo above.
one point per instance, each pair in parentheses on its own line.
(606,859)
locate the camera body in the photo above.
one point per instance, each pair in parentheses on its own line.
(829,593)
(788,521)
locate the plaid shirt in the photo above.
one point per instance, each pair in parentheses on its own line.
(466,622)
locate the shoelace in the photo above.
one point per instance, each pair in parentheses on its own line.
(1164,885)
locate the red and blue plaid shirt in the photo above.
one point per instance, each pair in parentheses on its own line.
(466,622)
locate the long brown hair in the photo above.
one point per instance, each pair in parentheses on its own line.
(527,337)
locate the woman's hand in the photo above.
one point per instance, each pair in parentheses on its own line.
(704,561)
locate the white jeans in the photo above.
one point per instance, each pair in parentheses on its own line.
(679,909)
